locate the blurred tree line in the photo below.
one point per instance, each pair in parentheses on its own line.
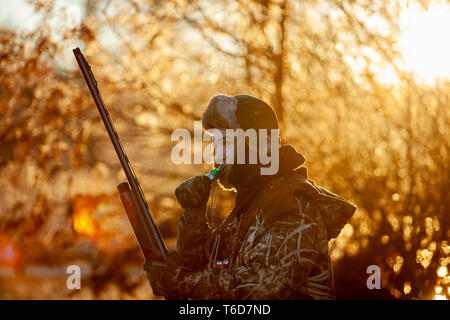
(383,145)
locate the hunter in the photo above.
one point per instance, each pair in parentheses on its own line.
(273,244)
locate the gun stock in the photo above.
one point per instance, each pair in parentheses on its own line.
(133,200)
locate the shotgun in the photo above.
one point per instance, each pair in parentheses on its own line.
(131,195)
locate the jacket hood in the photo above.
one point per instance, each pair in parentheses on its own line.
(277,193)
(335,210)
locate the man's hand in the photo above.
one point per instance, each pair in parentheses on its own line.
(194,192)
(162,274)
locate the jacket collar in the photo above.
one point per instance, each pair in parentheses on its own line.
(248,180)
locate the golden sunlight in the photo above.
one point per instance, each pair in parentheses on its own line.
(84,223)
(83,211)
(442,271)
(424,41)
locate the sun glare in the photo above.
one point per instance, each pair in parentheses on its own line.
(424,41)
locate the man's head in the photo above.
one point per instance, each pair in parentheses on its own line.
(238,112)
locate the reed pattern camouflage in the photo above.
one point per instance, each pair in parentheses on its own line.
(282,244)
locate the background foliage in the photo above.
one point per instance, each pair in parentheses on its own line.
(382,144)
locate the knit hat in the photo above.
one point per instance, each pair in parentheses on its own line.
(241,111)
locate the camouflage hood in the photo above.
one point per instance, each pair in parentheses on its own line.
(278,195)
(335,210)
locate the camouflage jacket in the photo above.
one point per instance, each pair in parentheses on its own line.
(284,249)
